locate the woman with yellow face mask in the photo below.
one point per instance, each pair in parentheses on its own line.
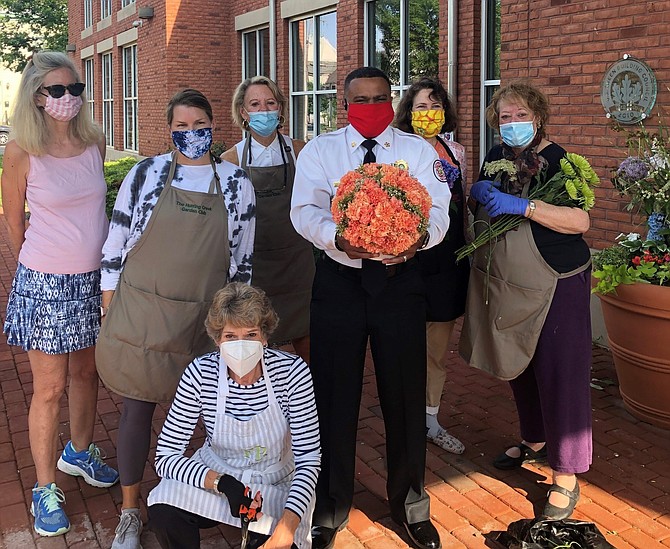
(426,110)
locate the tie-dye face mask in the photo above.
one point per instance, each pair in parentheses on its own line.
(193,144)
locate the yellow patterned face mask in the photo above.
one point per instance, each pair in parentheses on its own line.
(428,124)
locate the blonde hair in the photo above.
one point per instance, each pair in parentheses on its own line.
(241,90)
(243,306)
(30,130)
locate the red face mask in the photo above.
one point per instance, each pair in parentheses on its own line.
(370,119)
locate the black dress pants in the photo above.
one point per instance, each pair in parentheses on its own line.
(176,528)
(343,317)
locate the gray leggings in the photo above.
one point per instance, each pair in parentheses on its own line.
(134,439)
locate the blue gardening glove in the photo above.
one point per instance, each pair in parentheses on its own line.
(481,191)
(502,203)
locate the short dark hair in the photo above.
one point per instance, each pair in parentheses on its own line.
(365,72)
(189,98)
(403,113)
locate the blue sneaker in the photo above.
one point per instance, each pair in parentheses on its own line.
(87,464)
(50,519)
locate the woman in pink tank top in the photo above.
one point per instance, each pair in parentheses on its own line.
(55,165)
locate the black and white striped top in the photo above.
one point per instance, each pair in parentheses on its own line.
(197,395)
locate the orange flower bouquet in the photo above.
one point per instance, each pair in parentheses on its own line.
(381,208)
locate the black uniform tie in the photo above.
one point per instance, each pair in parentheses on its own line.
(369,145)
(373,273)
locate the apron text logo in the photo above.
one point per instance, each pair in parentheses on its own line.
(255,453)
(193,208)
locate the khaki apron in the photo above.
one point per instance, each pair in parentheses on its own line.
(155,323)
(506,309)
(283,260)
(258,453)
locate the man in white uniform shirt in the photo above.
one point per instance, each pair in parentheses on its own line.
(355,298)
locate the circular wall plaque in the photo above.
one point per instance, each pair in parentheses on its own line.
(628,90)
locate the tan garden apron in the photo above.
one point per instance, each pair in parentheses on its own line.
(283,260)
(155,323)
(505,311)
(257,452)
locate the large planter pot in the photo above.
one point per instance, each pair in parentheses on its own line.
(637,319)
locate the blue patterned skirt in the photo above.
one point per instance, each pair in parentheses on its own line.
(53,313)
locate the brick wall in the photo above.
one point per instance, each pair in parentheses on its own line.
(563,46)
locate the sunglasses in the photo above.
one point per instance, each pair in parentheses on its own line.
(58,90)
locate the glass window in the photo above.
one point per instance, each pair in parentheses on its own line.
(256,53)
(125,3)
(130,98)
(90,90)
(490,70)
(107,99)
(105,8)
(314,75)
(88,13)
(403,39)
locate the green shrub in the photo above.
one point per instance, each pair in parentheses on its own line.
(115,171)
(218,148)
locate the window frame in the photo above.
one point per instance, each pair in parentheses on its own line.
(88,13)
(130,101)
(259,52)
(488,85)
(89,80)
(107,77)
(315,93)
(369,37)
(125,3)
(368,21)
(105,9)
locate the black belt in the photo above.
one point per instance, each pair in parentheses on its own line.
(391,270)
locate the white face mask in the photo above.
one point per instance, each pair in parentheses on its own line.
(241,355)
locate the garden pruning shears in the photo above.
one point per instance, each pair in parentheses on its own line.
(247,515)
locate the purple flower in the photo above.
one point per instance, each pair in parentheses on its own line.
(451,172)
(633,169)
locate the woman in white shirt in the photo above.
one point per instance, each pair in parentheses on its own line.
(283,260)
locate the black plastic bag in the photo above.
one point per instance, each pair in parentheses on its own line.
(553,534)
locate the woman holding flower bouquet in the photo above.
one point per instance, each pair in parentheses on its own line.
(426,110)
(527,312)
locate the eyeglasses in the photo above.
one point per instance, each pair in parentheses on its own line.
(58,90)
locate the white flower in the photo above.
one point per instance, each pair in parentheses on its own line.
(630,237)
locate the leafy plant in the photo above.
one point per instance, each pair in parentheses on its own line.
(644,176)
(115,172)
(633,260)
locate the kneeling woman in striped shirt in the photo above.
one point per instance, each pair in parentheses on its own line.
(257,405)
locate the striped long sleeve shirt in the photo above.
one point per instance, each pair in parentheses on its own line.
(197,396)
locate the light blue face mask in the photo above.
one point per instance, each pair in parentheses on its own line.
(263,122)
(517,134)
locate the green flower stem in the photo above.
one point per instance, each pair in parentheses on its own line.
(500,226)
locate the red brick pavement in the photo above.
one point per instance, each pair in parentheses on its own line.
(625,493)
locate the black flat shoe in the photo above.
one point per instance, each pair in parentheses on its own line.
(424,535)
(552,512)
(323,537)
(527,455)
